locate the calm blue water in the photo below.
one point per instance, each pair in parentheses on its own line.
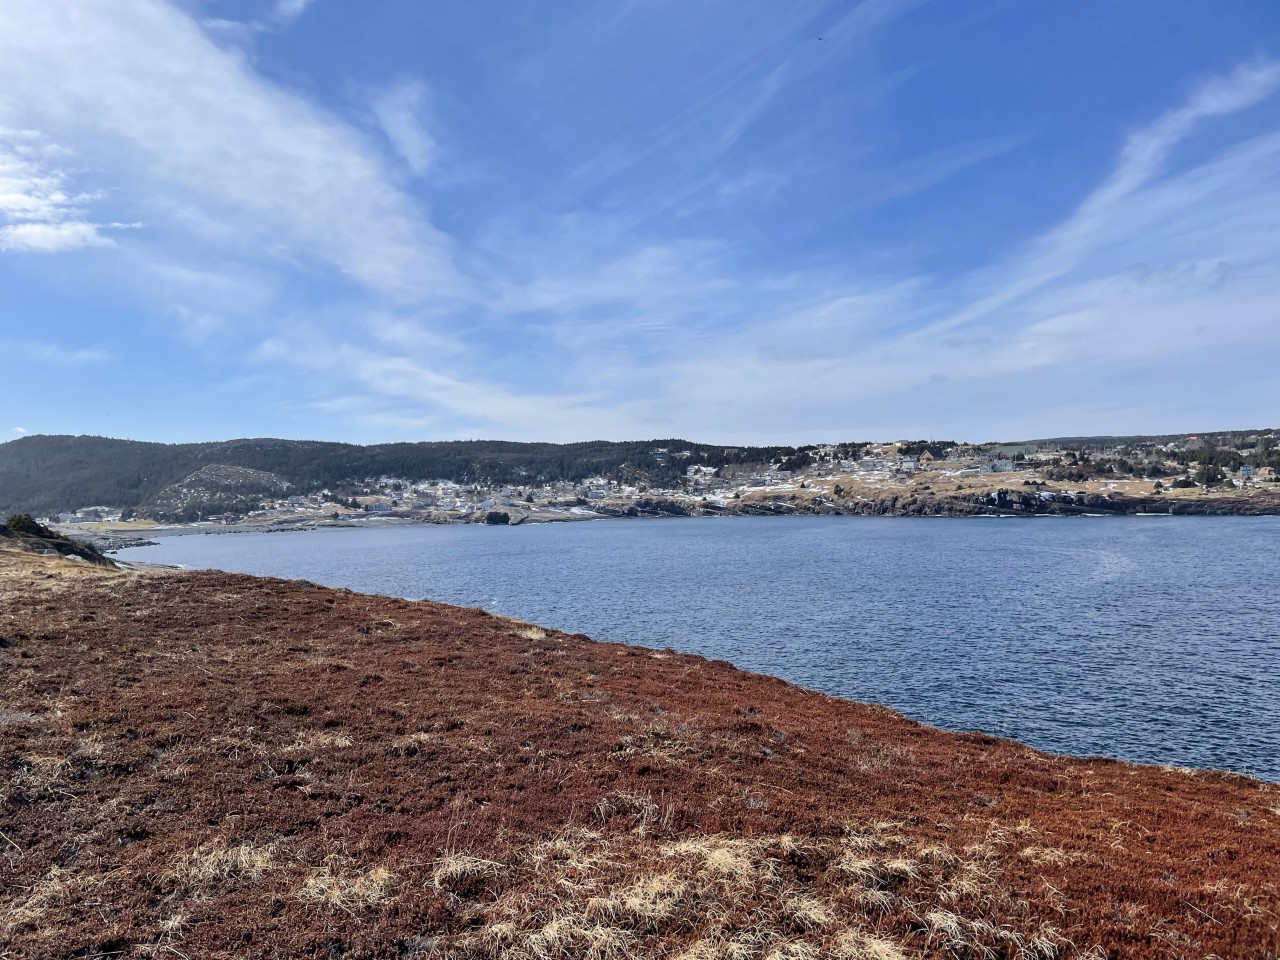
(1151,639)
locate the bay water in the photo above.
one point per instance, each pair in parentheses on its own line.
(1153,639)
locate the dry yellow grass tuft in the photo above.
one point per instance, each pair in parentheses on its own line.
(412,744)
(854,945)
(36,774)
(49,573)
(734,859)
(764,898)
(457,869)
(316,741)
(638,812)
(1045,855)
(52,892)
(216,867)
(339,883)
(523,628)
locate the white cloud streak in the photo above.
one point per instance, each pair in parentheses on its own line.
(248,186)
(39,351)
(399,111)
(184,124)
(50,237)
(243,34)
(1144,155)
(37,213)
(287,11)
(1151,272)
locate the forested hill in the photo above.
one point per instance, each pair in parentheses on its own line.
(46,474)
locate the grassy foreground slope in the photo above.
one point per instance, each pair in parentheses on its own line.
(209,765)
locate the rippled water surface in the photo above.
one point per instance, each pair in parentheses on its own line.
(1153,639)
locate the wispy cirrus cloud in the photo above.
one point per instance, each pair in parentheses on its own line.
(399,111)
(414,390)
(747,67)
(916,174)
(247,191)
(633,265)
(1153,271)
(1145,153)
(39,351)
(1135,279)
(287,11)
(255,169)
(243,33)
(674,339)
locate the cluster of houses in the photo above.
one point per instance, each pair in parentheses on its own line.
(887,460)
(86,515)
(392,495)
(878,463)
(389,495)
(1250,472)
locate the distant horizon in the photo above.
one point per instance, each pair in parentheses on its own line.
(654,439)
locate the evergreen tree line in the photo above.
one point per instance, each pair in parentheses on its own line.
(48,474)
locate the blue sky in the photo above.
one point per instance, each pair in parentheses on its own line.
(731,221)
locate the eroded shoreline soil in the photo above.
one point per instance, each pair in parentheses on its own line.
(213,765)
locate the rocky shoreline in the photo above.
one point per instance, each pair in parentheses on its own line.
(1002,502)
(1022,503)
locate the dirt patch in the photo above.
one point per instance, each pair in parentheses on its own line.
(209,765)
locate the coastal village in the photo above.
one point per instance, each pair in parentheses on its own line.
(911,477)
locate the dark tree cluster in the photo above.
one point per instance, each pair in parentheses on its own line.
(913,448)
(48,474)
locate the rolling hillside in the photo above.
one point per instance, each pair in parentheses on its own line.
(47,474)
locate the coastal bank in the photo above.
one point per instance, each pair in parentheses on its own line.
(220,765)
